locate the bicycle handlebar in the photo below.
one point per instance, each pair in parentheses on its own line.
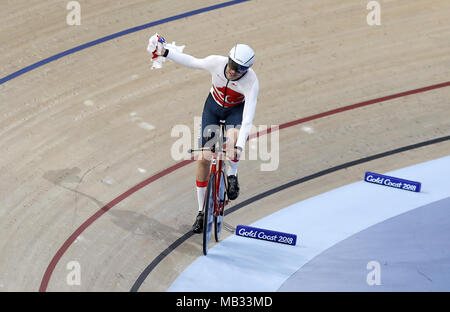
(190,151)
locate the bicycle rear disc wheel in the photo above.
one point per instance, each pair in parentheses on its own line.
(208,213)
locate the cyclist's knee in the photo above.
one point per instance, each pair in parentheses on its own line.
(232,135)
(202,170)
(232,132)
(204,161)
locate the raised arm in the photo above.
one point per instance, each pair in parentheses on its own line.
(206,63)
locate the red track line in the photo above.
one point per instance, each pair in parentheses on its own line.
(97,215)
(350,107)
(114,202)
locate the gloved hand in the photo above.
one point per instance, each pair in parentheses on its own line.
(238,152)
(156,46)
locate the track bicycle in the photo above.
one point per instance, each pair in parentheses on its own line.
(216,194)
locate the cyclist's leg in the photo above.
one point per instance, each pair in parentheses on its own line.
(210,118)
(232,136)
(233,122)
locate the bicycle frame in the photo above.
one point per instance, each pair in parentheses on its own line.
(217,168)
(215,210)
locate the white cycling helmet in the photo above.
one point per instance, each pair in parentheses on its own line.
(241,57)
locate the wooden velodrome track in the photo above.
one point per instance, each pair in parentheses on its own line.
(78,132)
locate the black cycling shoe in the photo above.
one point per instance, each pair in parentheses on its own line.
(233,187)
(198,225)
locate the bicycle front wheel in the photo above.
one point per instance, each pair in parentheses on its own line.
(221,203)
(208,209)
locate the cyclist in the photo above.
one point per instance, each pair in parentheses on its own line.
(233,98)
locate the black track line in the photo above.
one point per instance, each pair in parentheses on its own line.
(142,277)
